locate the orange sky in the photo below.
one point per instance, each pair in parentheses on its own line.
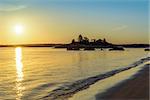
(61,21)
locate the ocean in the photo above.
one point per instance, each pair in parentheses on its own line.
(32,73)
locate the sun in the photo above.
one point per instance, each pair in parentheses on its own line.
(19,29)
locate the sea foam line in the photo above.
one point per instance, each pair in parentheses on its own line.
(66,91)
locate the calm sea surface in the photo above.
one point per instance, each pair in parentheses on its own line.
(31,73)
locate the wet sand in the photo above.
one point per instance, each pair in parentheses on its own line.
(135,88)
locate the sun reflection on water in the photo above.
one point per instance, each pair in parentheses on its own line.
(19,72)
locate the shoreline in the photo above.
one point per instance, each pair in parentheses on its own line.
(68,90)
(109,89)
(136,88)
(65,45)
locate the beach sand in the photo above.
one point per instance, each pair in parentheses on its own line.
(132,84)
(135,88)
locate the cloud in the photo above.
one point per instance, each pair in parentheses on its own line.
(9,8)
(119,28)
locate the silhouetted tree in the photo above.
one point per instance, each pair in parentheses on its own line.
(85,40)
(99,41)
(104,40)
(73,41)
(80,38)
(93,40)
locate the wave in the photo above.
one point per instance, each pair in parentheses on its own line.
(68,90)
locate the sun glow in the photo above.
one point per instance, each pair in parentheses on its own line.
(19,29)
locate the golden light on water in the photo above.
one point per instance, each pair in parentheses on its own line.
(19,64)
(19,72)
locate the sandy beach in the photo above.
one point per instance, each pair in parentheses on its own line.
(136,88)
(132,84)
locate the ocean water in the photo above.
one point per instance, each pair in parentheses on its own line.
(32,73)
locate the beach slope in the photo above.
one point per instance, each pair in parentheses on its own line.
(135,88)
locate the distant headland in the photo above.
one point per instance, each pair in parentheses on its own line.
(83,42)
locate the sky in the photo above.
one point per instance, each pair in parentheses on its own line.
(59,21)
